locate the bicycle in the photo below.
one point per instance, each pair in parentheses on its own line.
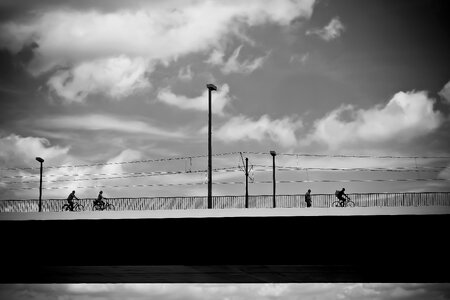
(343,203)
(104,206)
(76,207)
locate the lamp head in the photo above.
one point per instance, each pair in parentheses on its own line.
(273,153)
(211,87)
(39,160)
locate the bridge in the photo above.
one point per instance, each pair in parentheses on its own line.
(222,202)
(373,242)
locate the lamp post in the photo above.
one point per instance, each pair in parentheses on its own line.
(211,87)
(273,153)
(40,184)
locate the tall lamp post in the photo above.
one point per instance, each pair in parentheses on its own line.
(40,184)
(211,87)
(273,153)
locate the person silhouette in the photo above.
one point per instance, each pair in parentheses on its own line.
(340,195)
(308,198)
(99,200)
(70,199)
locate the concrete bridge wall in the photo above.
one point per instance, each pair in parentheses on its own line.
(327,248)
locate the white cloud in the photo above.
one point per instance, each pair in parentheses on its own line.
(105,122)
(330,32)
(87,181)
(405,117)
(116,77)
(445,92)
(22,151)
(273,290)
(216,57)
(241,128)
(305,291)
(220,100)
(57,182)
(232,65)
(160,32)
(111,167)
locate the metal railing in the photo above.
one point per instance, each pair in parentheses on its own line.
(223,202)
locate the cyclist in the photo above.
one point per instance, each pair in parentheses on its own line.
(340,195)
(99,200)
(70,200)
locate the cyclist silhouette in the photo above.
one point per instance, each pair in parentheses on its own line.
(70,199)
(99,200)
(340,195)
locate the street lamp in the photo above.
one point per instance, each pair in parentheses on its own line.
(40,184)
(211,87)
(273,153)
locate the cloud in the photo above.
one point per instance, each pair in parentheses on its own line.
(186,73)
(405,117)
(273,290)
(232,65)
(306,291)
(300,58)
(116,77)
(105,122)
(18,161)
(445,92)
(87,42)
(220,100)
(445,173)
(330,32)
(241,128)
(22,151)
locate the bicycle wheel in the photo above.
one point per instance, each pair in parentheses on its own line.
(78,207)
(350,203)
(336,204)
(96,207)
(109,207)
(65,207)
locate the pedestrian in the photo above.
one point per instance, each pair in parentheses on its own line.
(308,198)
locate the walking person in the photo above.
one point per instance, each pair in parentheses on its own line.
(308,198)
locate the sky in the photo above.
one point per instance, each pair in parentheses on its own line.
(323,291)
(112,95)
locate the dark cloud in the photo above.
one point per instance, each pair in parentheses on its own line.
(26,54)
(14,78)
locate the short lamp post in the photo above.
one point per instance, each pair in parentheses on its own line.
(211,87)
(40,184)
(273,153)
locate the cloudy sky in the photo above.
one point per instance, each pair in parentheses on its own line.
(226,291)
(112,94)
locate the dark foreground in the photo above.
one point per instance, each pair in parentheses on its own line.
(279,249)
